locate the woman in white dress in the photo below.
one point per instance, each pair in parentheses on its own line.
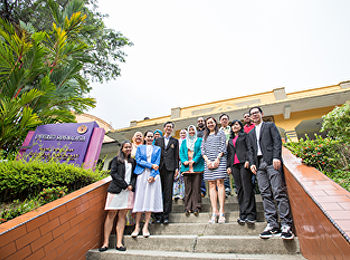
(148,193)
(120,196)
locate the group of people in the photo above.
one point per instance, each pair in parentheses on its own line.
(143,174)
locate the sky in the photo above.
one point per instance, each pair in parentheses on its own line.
(189,52)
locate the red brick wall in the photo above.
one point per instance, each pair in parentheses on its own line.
(63,229)
(321,211)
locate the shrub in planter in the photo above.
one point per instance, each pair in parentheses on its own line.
(20,179)
(321,153)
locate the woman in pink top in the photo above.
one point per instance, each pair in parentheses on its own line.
(238,165)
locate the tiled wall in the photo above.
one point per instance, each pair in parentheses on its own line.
(63,229)
(67,228)
(321,211)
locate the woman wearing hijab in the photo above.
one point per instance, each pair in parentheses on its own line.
(136,140)
(148,193)
(214,155)
(179,183)
(238,165)
(120,196)
(192,167)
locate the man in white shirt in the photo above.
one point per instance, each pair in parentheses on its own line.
(224,120)
(265,159)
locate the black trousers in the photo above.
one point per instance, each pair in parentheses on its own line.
(245,192)
(167,179)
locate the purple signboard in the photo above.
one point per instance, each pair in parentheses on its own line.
(65,142)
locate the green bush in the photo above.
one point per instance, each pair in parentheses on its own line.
(329,156)
(321,153)
(17,208)
(21,180)
(12,210)
(51,194)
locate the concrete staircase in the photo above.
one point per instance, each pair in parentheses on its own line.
(193,238)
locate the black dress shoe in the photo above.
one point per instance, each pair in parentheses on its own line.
(122,248)
(102,249)
(166,221)
(158,221)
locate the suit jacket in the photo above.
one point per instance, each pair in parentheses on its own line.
(270,144)
(198,165)
(141,159)
(170,154)
(241,149)
(118,175)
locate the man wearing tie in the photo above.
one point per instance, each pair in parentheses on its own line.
(265,160)
(168,168)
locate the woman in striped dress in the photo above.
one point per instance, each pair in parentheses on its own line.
(214,155)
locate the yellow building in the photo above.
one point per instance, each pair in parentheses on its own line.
(295,114)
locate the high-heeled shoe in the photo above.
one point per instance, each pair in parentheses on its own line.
(222,218)
(135,234)
(213,218)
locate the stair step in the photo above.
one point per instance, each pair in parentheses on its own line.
(179,207)
(229,199)
(191,237)
(227,229)
(204,217)
(163,255)
(212,244)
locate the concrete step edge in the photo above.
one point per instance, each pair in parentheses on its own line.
(151,254)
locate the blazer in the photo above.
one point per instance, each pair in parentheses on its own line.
(170,154)
(270,144)
(198,165)
(241,150)
(118,175)
(141,159)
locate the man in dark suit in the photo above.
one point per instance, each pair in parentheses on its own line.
(169,163)
(200,132)
(265,159)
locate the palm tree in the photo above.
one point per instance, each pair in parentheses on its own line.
(40,74)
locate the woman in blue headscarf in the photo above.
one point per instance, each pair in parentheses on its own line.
(157,133)
(192,167)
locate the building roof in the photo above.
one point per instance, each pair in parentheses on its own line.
(275,102)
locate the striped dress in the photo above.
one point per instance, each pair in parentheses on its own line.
(214,145)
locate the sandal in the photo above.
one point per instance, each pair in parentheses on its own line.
(213,218)
(222,218)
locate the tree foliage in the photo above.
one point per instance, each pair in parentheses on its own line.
(40,79)
(105,54)
(337,123)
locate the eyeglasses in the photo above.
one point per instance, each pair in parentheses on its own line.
(255,113)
